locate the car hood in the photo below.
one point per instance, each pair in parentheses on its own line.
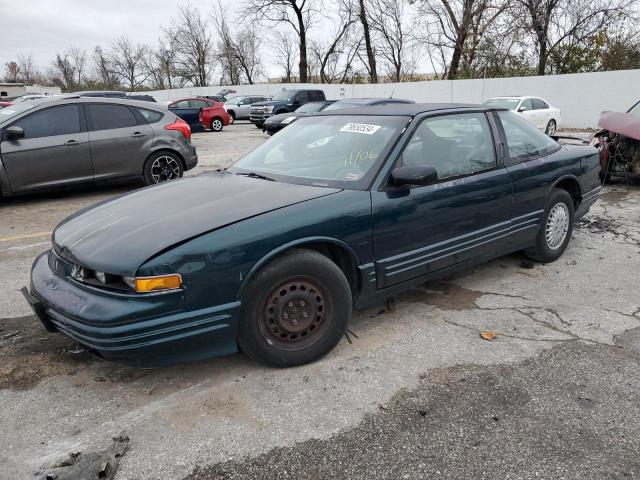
(117,236)
(269,102)
(281,116)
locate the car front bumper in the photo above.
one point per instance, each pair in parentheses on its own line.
(138,329)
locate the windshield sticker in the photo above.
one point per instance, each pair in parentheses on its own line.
(360,128)
(354,158)
(4,111)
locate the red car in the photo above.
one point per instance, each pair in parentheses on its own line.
(201,113)
(5,104)
(214,117)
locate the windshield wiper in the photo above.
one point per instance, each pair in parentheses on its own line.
(256,175)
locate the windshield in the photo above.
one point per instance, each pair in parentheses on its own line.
(339,105)
(635,110)
(310,107)
(14,110)
(508,103)
(284,96)
(341,151)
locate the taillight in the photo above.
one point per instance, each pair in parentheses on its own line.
(180,126)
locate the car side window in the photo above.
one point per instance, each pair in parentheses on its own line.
(150,116)
(302,97)
(455,145)
(539,104)
(524,141)
(245,101)
(317,96)
(527,103)
(104,116)
(180,104)
(62,120)
(198,104)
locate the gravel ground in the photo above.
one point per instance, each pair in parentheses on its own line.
(564,330)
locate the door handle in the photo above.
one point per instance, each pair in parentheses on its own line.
(71,143)
(137,134)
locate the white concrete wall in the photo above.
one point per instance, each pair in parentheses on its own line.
(581,96)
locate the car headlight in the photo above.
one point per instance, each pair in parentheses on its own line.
(155,283)
(268,109)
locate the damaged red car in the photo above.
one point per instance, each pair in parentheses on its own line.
(619,145)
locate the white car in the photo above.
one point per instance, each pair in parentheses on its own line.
(534,110)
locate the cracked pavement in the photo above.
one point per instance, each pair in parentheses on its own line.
(561,376)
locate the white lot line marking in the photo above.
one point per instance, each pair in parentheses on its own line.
(28,235)
(26,247)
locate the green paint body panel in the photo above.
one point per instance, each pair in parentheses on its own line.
(229,226)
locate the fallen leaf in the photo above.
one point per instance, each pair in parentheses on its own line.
(487,335)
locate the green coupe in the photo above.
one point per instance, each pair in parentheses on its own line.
(339,210)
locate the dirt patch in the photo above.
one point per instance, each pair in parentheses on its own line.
(614,196)
(599,225)
(445,296)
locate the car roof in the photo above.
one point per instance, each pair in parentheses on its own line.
(116,100)
(408,109)
(372,100)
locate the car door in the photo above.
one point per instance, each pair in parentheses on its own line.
(187,112)
(543,114)
(526,111)
(244,108)
(464,215)
(300,99)
(54,151)
(533,167)
(119,140)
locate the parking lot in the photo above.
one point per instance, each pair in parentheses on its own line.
(415,393)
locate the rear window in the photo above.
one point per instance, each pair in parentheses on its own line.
(150,116)
(50,122)
(525,141)
(109,116)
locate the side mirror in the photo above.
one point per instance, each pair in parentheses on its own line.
(522,109)
(414,175)
(14,133)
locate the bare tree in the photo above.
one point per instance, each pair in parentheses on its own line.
(28,71)
(553,22)
(458,26)
(127,60)
(192,42)
(299,14)
(104,70)
(160,64)
(389,21)
(11,72)
(78,58)
(63,72)
(285,54)
(366,32)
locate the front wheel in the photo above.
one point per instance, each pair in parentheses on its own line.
(551,128)
(554,234)
(295,310)
(232,117)
(161,167)
(216,125)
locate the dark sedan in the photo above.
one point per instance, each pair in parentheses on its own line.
(275,123)
(190,110)
(53,143)
(341,209)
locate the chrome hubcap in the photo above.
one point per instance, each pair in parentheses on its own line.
(557,226)
(216,125)
(165,168)
(551,128)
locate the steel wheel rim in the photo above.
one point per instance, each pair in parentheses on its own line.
(557,226)
(295,314)
(216,125)
(165,168)
(551,128)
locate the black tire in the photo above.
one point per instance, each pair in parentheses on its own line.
(295,310)
(551,128)
(216,124)
(161,167)
(546,251)
(232,117)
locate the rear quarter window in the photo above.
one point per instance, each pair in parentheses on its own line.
(110,116)
(524,141)
(150,116)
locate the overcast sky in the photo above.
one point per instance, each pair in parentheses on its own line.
(45,27)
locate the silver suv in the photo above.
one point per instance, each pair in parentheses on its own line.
(50,143)
(239,107)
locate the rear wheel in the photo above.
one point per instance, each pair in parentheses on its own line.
(295,310)
(232,117)
(216,124)
(555,233)
(161,167)
(551,128)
